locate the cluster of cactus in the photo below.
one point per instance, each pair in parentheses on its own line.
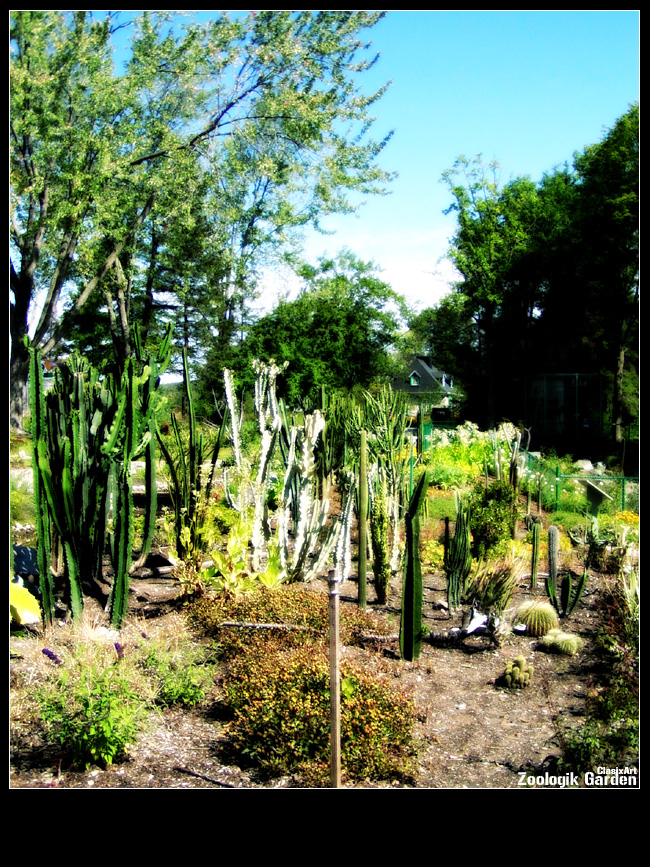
(301,514)
(566,596)
(557,641)
(189,496)
(518,673)
(385,415)
(538,616)
(86,432)
(411,623)
(458,559)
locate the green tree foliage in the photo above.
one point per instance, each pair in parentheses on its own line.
(213,144)
(608,182)
(549,279)
(336,334)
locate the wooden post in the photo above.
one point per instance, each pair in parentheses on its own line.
(335,684)
(363,525)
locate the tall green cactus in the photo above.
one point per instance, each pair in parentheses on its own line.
(457,558)
(380,538)
(189,495)
(537,532)
(411,622)
(553,560)
(136,392)
(86,432)
(40,467)
(566,596)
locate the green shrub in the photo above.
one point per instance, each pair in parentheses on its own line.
(610,734)
(95,718)
(493,516)
(281,709)
(432,554)
(179,678)
(450,477)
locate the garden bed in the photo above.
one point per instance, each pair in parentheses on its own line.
(471,732)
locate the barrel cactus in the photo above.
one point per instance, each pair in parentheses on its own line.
(538,616)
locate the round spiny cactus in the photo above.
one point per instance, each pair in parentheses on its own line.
(557,641)
(518,673)
(538,616)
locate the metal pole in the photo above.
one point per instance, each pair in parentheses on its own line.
(335,684)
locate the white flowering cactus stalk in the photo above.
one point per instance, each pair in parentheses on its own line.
(311,512)
(298,494)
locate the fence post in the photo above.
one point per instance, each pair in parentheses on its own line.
(335,685)
(363,520)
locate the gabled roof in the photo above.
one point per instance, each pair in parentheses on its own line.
(423,377)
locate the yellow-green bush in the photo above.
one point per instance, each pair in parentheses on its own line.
(281,707)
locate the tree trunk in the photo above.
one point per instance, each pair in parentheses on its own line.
(617,402)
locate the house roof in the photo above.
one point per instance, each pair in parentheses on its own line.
(423,377)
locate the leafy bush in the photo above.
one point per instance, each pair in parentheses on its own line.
(493,516)
(432,554)
(281,708)
(610,734)
(91,696)
(96,718)
(278,686)
(180,679)
(450,477)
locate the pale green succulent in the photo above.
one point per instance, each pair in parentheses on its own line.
(558,641)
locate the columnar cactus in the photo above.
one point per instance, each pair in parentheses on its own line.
(565,597)
(411,623)
(553,559)
(537,532)
(380,539)
(458,559)
(362,519)
(86,432)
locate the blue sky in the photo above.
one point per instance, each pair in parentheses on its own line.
(527,89)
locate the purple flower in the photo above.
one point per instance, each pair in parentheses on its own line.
(119,649)
(51,655)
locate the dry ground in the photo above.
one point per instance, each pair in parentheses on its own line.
(472,733)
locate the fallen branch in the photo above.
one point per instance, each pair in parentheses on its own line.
(284,627)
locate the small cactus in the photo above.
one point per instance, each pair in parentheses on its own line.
(518,673)
(557,641)
(538,616)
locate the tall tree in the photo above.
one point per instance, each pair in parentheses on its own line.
(550,278)
(492,235)
(97,157)
(336,334)
(608,184)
